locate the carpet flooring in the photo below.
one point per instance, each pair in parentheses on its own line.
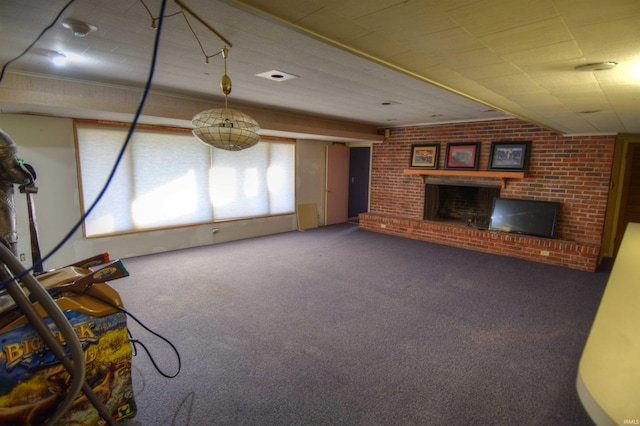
(339,326)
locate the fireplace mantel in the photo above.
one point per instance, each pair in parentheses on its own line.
(503,176)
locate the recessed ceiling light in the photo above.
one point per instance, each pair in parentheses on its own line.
(58,58)
(276,75)
(597,66)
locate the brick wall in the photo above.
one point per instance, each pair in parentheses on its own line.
(572,170)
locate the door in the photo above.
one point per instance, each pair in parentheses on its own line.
(630,199)
(359,159)
(337,189)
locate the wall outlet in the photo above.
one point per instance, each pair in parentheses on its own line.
(544,252)
(23,257)
(382,225)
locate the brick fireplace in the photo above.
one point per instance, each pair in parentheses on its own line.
(464,204)
(574,171)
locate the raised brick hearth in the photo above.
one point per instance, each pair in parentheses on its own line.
(572,170)
(560,252)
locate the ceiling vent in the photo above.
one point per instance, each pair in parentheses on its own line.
(276,75)
(598,66)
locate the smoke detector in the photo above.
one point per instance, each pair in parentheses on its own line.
(78,28)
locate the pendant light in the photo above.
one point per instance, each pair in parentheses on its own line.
(220,128)
(226,128)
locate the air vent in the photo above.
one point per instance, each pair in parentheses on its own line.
(598,66)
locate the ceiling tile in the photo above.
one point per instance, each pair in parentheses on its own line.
(285,10)
(333,26)
(473,58)
(581,12)
(540,101)
(567,80)
(595,40)
(492,70)
(566,54)
(407,20)
(508,85)
(355,9)
(378,45)
(491,16)
(412,61)
(603,121)
(584,101)
(443,42)
(526,37)
(629,119)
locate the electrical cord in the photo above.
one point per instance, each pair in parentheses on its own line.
(25,273)
(135,342)
(132,128)
(42,33)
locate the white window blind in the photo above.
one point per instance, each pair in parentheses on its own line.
(170,179)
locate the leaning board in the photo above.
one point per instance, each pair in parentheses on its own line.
(307,216)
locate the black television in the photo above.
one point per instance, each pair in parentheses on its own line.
(528,217)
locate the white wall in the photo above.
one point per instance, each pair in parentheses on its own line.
(47,143)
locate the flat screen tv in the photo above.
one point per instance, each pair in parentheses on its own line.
(529,217)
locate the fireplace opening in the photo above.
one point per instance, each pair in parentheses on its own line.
(466,204)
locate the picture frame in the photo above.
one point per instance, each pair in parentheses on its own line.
(424,156)
(462,155)
(509,156)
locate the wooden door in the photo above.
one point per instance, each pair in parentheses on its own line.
(337,189)
(630,199)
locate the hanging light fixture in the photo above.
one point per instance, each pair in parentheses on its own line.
(226,128)
(221,128)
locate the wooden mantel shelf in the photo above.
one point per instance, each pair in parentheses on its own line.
(503,176)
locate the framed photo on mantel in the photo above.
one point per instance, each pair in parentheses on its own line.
(424,156)
(462,156)
(509,156)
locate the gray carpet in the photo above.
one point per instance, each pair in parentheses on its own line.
(338,326)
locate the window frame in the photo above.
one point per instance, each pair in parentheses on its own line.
(177,130)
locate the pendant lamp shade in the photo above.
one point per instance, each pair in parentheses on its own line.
(226,129)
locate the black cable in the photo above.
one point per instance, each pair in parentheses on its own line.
(145,93)
(4,67)
(137,342)
(168,376)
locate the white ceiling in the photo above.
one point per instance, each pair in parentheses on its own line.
(431,60)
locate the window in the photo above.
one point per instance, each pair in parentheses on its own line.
(167,178)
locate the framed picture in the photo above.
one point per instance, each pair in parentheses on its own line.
(463,155)
(424,156)
(509,156)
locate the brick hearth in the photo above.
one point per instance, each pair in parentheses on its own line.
(544,250)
